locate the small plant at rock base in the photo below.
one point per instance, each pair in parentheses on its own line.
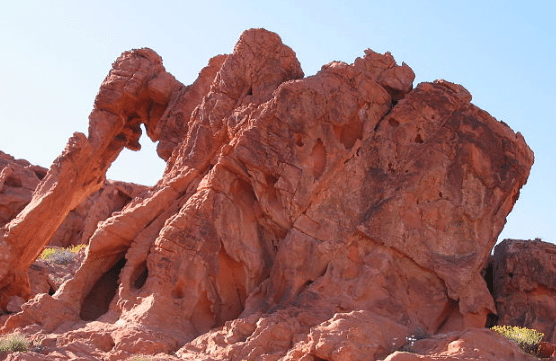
(526,338)
(14,342)
(61,256)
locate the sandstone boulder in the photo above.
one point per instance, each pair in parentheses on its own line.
(524,285)
(471,344)
(295,214)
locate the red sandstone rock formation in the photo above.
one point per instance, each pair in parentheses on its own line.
(136,91)
(524,280)
(18,180)
(319,218)
(81,222)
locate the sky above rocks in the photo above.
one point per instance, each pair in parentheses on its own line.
(54,56)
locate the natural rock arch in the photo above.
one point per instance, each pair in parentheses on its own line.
(136,91)
(289,205)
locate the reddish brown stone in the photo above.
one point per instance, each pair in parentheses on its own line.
(136,91)
(524,285)
(295,214)
(18,180)
(546,349)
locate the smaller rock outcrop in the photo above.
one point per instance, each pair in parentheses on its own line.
(524,285)
(471,344)
(81,223)
(18,180)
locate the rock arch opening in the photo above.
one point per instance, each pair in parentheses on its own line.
(142,167)
(98,300)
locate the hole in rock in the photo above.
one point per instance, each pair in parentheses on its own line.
(418,138)
(139,276)
(492,320)
(318,156)
(98,300)
(250,91)
(141,167)
(231,288)
(12,182)
(488,275)
(391,167)
(271,180)
(40,173)
(51,291)
(244,196)
(350,133)
(298,138)
(122,137)
(178,291)
(393,122)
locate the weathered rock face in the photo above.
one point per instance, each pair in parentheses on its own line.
(524,280)
(18,180)
(81,222)
(295,214)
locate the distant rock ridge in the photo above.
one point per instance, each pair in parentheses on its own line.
(327,217)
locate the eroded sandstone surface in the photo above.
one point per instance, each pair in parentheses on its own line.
(299,218)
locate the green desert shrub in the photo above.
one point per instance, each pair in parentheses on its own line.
(60,255)
(14,342)
(527,339)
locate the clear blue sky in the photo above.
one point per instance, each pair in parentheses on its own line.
(55,54)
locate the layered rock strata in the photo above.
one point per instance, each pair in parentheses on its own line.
(318,218)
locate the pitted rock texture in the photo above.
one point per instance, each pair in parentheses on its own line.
(295,214)
(524,285)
